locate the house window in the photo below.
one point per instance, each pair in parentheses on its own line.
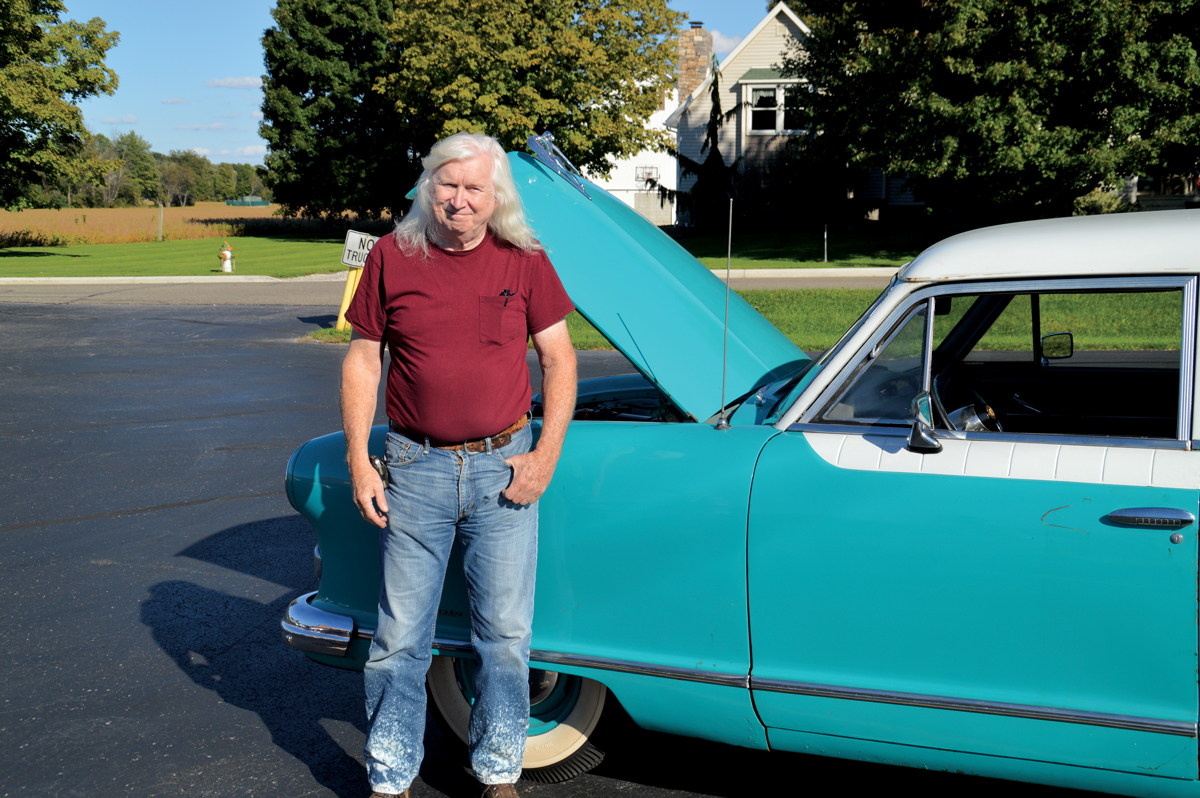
(775,109)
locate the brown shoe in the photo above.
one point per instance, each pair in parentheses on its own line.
(499,791)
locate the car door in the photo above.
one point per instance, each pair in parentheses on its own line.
(989,598)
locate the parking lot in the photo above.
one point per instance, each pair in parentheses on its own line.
(148,552)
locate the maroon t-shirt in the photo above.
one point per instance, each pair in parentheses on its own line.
(457,324)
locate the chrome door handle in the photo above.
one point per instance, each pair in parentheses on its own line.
(1156,517)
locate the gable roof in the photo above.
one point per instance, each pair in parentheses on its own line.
(780,8)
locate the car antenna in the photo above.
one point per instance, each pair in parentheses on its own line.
(722,422)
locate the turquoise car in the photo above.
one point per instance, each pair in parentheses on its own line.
(962,538)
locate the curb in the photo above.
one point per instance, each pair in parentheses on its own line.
(752,274)
(734,274)
(233,278)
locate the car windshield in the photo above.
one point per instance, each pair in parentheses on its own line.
(833,350)
(786,394)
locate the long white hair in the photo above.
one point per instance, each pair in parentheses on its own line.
(508,220)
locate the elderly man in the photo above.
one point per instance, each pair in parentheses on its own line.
(455,293)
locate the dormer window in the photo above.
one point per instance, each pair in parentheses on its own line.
(775,109)
(772,103)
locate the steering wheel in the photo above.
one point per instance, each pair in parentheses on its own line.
(990,411)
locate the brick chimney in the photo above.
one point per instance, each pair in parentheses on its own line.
(695,58)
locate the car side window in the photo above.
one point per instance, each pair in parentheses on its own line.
(1099,363)
(884,389)
(1103,363)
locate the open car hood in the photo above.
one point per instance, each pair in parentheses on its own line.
(647,295)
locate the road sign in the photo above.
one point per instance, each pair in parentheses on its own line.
(358,246)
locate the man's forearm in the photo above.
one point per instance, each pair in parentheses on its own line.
(360,382)
(558,400)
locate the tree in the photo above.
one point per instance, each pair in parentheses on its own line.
(334,144)
(357,91)
(590,71)
(46,66)
(139,167)
(1007,107)
(716,182)
(246,178)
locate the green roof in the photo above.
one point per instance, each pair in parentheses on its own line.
(761,74)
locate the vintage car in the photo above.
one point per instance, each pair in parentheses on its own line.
(962,538)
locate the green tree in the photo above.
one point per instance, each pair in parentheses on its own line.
(185,177)
(140,171)
(226,182)
(46,66)
(357,91)
(246,177)
(591,71)
(1007,107)
(707,201)
(334,144)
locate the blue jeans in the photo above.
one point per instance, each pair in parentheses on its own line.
(433,496)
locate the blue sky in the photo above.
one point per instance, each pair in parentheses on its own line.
(190,75)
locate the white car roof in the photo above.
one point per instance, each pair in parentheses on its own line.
(1159,242)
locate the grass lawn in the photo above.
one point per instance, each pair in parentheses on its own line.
(274,257)
(866,245)
(814,319)
(292,257)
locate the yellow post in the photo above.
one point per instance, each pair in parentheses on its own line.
(352,278)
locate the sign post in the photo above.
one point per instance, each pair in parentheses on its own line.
(354,254)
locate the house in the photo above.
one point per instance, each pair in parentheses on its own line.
(765,101)
(750,81)
(635,180)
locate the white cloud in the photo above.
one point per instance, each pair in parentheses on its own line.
(234,83)
(213,126)
(256,114)
(128,119)
(231,115)
(254,149)
(723,45)
(175,101)
(202,151)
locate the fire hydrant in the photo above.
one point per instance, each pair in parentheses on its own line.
(226,258)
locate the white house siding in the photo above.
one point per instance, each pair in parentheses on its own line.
(765,50)
(627,184)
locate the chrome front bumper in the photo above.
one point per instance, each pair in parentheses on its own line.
(309,628)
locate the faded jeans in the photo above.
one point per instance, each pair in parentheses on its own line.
(433,496)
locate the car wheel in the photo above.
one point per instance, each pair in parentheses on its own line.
(563,712)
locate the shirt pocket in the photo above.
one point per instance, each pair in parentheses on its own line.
(499,324)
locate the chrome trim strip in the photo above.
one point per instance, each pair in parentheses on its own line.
(624,666)
(1186,361)
(309,628)
(601,663)
(927,347)
(1174,727)
(1004,437)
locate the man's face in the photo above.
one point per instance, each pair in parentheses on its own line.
(464,199)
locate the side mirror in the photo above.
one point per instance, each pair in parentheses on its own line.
(920,438)
(1057,346)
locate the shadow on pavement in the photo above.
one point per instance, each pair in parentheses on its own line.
(321,321)
(232,645)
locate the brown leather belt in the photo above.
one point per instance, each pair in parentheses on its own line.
(499,440)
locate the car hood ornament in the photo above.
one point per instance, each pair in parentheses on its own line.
(546,151)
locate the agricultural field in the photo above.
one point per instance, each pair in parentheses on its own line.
(73,226)
(261,255)
(77,226)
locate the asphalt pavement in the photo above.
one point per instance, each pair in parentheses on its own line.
(149,551)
